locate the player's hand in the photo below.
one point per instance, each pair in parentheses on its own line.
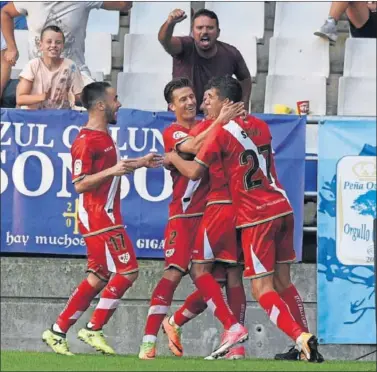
(231,110)
(121,168)
(11,55)
(176,16)
(152,160)
(167,162)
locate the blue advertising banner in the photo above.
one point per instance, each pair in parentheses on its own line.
(346,210)
(39,204)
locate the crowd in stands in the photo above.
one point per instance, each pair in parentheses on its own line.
(57,72)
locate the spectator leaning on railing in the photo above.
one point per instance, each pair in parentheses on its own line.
(201,56)
(50,81)
(70,16)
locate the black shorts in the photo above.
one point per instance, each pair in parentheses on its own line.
(368,30)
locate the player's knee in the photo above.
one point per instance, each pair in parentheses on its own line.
(96,282)
(234,277)
(197,270)
(260,286)
(173,274)
(132,277)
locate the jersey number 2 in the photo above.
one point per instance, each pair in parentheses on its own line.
(249,182)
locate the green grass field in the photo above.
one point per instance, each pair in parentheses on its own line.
(32,361)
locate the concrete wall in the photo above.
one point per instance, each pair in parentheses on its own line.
(35,290)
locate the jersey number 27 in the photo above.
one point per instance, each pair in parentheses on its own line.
(250,182)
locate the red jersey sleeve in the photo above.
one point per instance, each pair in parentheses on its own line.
(82,159)
(173,136)
(210,151)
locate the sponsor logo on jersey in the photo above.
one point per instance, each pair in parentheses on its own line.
(170,252)
(124,258)
(179,134)
(109,148)
(77,167)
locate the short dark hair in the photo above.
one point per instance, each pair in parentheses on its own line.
(176,83)
(206,13)
(227,87)
(93,92)
(53,28)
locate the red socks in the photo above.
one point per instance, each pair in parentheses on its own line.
(294,302)
(213,296)
(193,306)
(237,302)
(76,305)
(109,301)
(160,303)
(279,314)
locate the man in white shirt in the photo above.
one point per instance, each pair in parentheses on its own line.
(70,16)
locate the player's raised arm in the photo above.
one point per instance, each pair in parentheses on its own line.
(228,112)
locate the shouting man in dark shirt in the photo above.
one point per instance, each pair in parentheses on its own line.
(201,56)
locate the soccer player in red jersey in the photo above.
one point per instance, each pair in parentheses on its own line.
(215,250)
(96,171)
(263,212)
(185,212)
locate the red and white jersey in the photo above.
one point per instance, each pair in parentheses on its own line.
(218,183)
(99,209)
(189,197)
(246,152)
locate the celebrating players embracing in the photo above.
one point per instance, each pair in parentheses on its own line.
(263,212)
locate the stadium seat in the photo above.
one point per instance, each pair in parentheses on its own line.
(98,52)
(299,19)
(101,20)
(248,18)
(144,53)
(287,90)
(148,17)
(143,91)
(22,42)
(299,57)
(357,96)
(360,58)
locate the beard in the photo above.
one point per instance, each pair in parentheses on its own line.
(110,116)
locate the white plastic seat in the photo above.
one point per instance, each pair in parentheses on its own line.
(360,58)
(299,57)
(357,96)
(101,20)
(98,52)
(299,19)
(148,17)
(22,42)
(144,53)
(143,91)
(249,19)
(287,90)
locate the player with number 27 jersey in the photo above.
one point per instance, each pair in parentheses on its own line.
(257,194)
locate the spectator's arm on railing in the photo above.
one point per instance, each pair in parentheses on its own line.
(172,45)
(123,6)
(8,12)
(23,96)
